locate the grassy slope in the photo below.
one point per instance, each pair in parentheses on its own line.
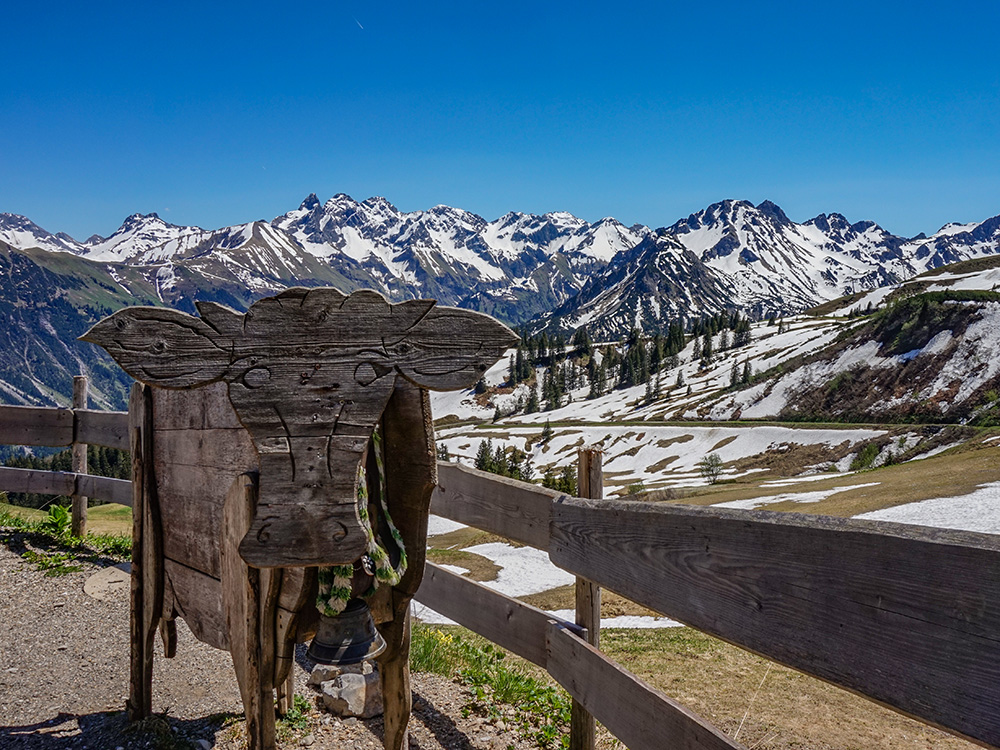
(101,519)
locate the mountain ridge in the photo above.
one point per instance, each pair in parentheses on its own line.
(551,271)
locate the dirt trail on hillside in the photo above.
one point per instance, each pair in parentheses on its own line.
(64,680)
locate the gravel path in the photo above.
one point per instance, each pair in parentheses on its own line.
(64,680)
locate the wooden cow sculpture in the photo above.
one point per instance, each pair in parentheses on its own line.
(248,483)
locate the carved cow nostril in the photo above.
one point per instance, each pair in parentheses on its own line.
(257,377)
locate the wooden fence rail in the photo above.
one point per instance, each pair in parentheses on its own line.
(77,427)
(36,425)
(66,483)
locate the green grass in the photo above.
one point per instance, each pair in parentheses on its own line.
(502,688)
(56,552)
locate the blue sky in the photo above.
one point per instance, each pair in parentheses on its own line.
(219,113)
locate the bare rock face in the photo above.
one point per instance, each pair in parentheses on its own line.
(351,691)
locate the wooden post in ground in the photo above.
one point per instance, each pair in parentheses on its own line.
(79,523)
(590,484)
(140,676)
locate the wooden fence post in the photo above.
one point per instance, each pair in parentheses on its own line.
(79,523)
(590,484)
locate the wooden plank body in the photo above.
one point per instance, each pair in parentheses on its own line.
(639,715)
(516,510)
(908,616)
(199,448)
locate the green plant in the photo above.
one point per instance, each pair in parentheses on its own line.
(501,689)
(636,488)
(294,723)
(866,457)
(57,523)
(53,564)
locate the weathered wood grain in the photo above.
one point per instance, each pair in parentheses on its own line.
(199,449)
(205,408)
(244,600)
(410,475)
(516,626)
(515,510)
(197,599)
(906,615)
(34,480)
(65,483)
(105,488)
(295,595)
(35,425)
(140,700)
(394,668)
(107,428)
(590,484)
(309,371)
(78,524)
(639,715)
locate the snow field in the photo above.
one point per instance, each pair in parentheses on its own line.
(523,571)
(977,511)
(656,455)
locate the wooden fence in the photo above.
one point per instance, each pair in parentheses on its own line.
(907,616)
(904,615)
(77,428)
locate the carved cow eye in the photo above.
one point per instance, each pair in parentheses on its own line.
(158,347)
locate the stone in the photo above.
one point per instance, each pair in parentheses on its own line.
(205,745)
(109,584)
(325,672)
(308,740)
(353,695)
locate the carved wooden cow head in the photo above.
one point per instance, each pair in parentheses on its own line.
(309,372)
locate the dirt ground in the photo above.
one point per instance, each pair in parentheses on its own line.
(64,681)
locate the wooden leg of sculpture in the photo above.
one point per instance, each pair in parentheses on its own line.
(410,476)
(248,594)
(147,556)
(293,598)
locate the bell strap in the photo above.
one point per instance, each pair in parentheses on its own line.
(335,582)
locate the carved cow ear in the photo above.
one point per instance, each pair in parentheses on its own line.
(451,348)
(162,347)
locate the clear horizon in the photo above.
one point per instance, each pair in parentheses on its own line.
(647,112)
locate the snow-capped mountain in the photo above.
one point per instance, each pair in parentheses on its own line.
(507,266)
(755,259)
(552,270)
(19,231)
